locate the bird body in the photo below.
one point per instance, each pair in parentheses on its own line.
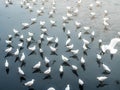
(37,65)
(20,71)
(29,83)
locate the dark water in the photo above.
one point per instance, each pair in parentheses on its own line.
(12,17)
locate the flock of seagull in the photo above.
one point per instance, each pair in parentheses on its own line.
(53,42)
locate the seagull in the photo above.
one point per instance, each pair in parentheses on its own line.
(56,41)
(20,45)
(61,71)
(106,68)
(64,19)
(10,37)
(68,33)
(74,52)
(65,60)
(42,24)
(48,71)
(68,41)
(81,83)
(98,3)
(53,50)
(22,57)
(16,53)
(91,6)
(33,20)
(8,50)
(74,69)
(37,65)
(86,28)
(82,63)
(67,87)
(49,39)
(92,14)
(39,12)
(69,16)
(100,42)
(41,52)
(29,83)
(47,61)
(69,47)
(20,71)
(52,22)
(75,12)
(32,49)
(51,88)
(6,64)
(105,12)
(92,35)
(25,25)
(51,13)
(16,32)
(21,38)
(77,24)
(79,35)
(79,2)
(101,79)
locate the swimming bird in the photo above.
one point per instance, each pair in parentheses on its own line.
(79,35)
(64,19)
(32,49)
(68,41)
(68,34)
(82,60)
(48,71)
(49,39)
(22,38)
(51,14)
(61,71)
(33,20)
(106,68)
(47,61)
(7,66)
(56,41)
(8,51)
(51,88)
(53,22)
(69,47)
(22,58)
(39,12)
(69,16)
(67,87)
(77,24)
(53,50)
(93,14)
(86,28)
(75,12)
(74,52)
(20,71)
(65,60)
(81,83)
(101,79)
(105,12)
(37,65)
(91,6)
(74,69)
(20,45)
(25,25)
(16,32)
(41,53)
(42,24)
(79,2)
(98,3)
(29,83)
